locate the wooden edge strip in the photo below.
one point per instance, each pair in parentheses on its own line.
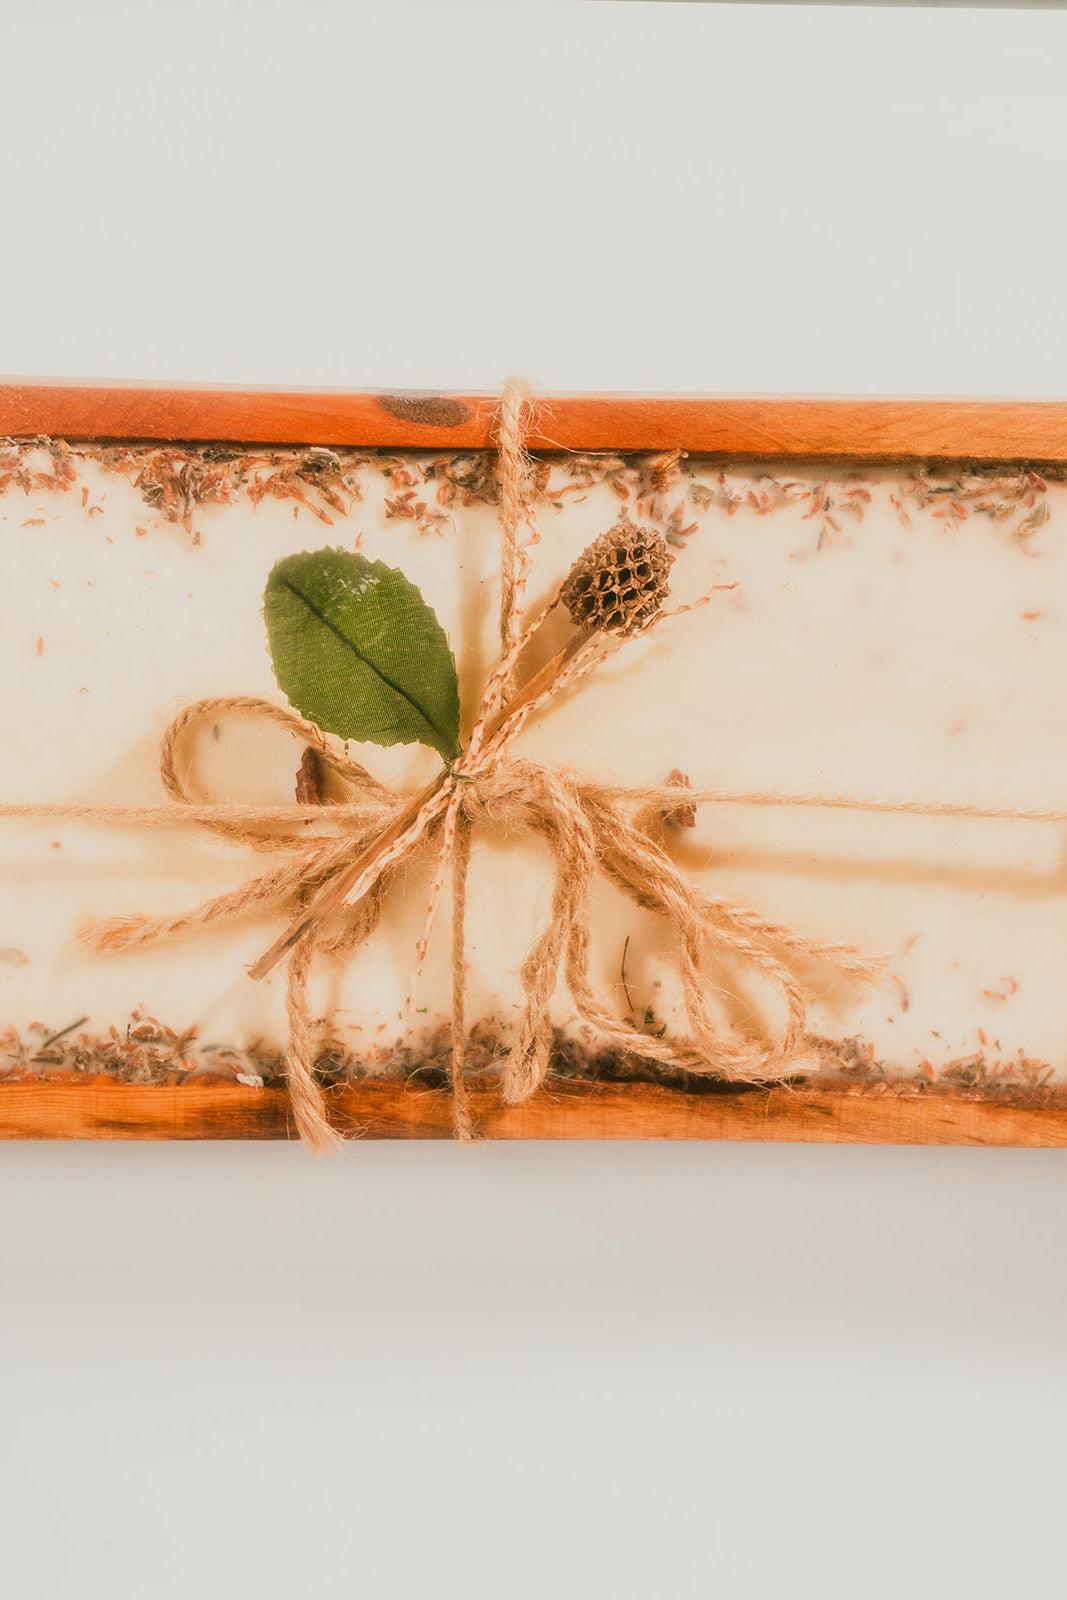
(380,1109)
(771,427)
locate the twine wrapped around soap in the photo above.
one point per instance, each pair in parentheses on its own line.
(339,878)
(338,881)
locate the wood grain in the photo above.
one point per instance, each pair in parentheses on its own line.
(380,1109)
(772,427)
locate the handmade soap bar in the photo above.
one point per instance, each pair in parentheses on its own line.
(890,635)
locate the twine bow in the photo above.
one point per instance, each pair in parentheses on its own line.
(339,880)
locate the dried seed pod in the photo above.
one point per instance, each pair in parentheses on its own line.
(309,779)
(619,583)
(684,815)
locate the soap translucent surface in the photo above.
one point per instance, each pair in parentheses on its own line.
(892,636)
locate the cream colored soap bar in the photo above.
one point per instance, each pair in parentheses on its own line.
(888,636)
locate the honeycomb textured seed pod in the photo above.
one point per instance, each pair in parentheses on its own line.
(620,582)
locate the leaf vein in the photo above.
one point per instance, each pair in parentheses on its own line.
(397,688)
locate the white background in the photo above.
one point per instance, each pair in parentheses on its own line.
(626,1370)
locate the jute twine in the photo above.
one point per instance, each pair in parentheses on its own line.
(334,864)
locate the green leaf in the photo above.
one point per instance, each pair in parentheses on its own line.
(357,651)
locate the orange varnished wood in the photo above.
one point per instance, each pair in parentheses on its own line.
(767,426)
(380,1109)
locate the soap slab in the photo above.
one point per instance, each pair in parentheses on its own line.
(893,633)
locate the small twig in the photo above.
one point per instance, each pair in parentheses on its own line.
(52,1037)
(622,975)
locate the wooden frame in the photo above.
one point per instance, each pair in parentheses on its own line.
(855,430)
(847,429)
